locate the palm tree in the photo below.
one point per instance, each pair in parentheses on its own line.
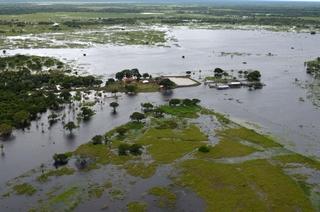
(114,105)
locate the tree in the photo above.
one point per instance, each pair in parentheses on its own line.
(65,95)
(135,149)
(218,72)
(147,107)
(123,149)
(136,116)
(158,112)
(145,75)
(60,159)
(87,113)
(96,140)
(167,84)
(52,118)
(110,81)
(114,105)
(21,118)
(121,130)
(253,76)
(174,102)
(120,75)
(2,149)
(70,126)
(196,101)
(5,130)
(187,102)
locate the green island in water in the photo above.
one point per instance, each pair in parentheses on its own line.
(186,147)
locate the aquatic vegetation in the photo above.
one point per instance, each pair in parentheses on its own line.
(70,198)
(245,134)
(137,207)
(166,197)
(96,190)
(139,169)
(24,189)
(298,159)
(58,172)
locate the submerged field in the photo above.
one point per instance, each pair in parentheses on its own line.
(77,26)
(202,156)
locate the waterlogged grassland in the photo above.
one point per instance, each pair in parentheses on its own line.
(251,186)
(24,189)
(58,172)
(137,207)
(166,198)
(227,148)
(167,145)
(245,134)
(86,38)
(225,176)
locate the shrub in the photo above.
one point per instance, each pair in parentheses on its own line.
(60,159)
(135,149)
(123,149)
(204,149)
(96,140)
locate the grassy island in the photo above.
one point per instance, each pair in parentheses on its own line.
(238,165)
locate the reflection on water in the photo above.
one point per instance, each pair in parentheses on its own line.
(276,107)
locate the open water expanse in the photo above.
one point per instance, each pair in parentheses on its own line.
(280,57)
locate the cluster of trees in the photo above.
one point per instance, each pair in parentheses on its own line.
(313,67)
(34,63)
(134,149)
(24,94)
(253,76)
(128,74)
(218,72)
(184,102)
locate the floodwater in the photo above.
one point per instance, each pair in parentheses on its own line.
(276,107)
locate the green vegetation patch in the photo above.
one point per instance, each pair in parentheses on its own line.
(245,134)
(167,145)
(166,197)
(96,190)
(137,207)
(298,159)
(226,148)
(120,86)
(101,154)
(182,110)
(250,186)
(24,189)
(141,169)
(58,172)
(313,67)
(69,199)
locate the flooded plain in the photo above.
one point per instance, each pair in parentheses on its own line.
(276,108)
